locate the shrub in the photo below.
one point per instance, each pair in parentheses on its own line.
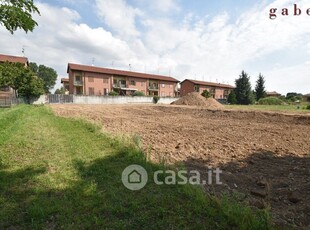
(232,98)
(308,107)
(270,101)
(138,94)
(205,94)
(113,93)
(156,99)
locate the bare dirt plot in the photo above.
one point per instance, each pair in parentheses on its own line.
(263,155)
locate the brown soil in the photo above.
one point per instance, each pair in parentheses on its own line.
(195,99)
(263,155)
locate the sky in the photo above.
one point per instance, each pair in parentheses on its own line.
(203,39)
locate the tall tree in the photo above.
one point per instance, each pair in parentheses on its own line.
(30,85)
(243,90)
(17,14)
(21,79)
(231,99)
(260,87)
(47,74)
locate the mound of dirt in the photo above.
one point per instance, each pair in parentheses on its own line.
(196,99)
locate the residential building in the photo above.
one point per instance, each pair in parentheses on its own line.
(6,91)
(217,90)
(91,80)
(65,84)
(14,59)
(306,97)
(273,94)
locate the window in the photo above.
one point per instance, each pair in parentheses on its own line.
(162,94)
(90,79)
(91,91)
(77,78)
(132,82)
(196,88)
(105,80)
(163,85)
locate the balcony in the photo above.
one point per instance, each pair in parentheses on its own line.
(153,87)
(78,83)
(119,85)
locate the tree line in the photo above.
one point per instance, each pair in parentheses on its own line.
(243,93)
(27,82)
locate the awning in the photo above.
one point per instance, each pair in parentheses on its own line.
(129,89)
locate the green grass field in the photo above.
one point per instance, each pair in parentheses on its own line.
(279,108)
(64,173)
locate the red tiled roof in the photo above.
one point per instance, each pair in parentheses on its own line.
(273,93)
(14,59)
(95,69)
(64,80)
(206,83)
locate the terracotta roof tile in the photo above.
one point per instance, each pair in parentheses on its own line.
(95,69)
(64,80)
(206,83)
(13,59)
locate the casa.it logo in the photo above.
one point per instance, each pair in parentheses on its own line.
(135,177)
(295,10)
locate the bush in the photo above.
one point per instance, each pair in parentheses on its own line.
(138,94)
(205,94)
(270,101)
(156,99)
(231,99)
(308,107)
(113,93)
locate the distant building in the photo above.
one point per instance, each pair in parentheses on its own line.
(306,97)
(6,91)
(65,84)
(14,59)
(217,90)
(273,94)
(91,80)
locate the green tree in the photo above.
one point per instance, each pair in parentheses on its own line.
(30,85)
(9,73)
(243,90)
(231,99)
(17,14)
(138,94)
(21,79)
(34,67)
(260,91)
(60,91)
(47,74)
(205,94)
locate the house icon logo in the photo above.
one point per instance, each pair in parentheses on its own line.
(134,177)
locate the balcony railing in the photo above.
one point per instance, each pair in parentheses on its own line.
(78,83)
(119,85)
(153,87)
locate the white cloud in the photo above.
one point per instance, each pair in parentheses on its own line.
(165,5)
(59,40)
(119,16)
(194,47)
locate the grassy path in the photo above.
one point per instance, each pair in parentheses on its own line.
(63,173)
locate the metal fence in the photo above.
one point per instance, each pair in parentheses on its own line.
(8,101)
(59,98)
